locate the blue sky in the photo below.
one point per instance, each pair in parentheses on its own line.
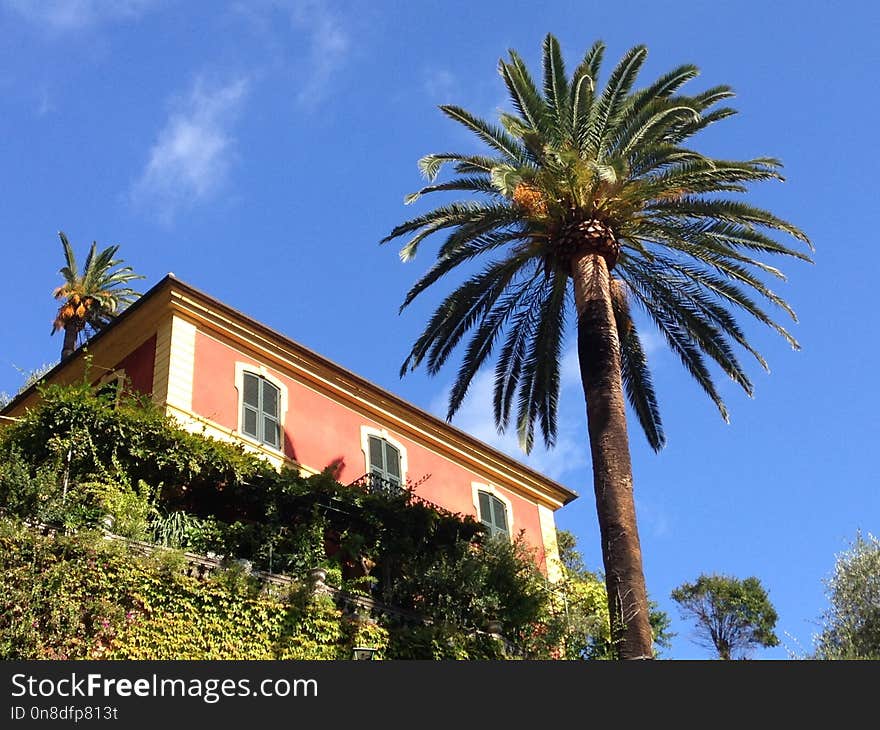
(260,150)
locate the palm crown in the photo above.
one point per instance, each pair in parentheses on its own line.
(91,298)
(608,170)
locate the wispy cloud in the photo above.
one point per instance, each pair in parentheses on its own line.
(190,160)
(329,44)
(440,85)
(73,15)
(571,452)
(44,102)
(652,341)
(653,519)
(308,40)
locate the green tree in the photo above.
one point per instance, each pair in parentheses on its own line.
(589,201)
(91,298)
(581,607)
(733,616)
(851,625)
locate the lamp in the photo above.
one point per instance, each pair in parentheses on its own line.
(363,652)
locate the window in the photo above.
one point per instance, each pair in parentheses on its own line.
(385,460)
(493,513)
(384,465)
(261,410)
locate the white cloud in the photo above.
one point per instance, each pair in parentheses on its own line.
(572,449)
(308,40)
(440,85)
(72,15)
(652,341)
(653,519)
(329,45)
(189,163)
(44,103)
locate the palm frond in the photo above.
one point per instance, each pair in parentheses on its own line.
(460,311)
(613,97)
(477,246)
(524,295)
(584,82)
(635,373)
(556,87)
(493,136)
(539,379)
(692,253)
(523,92)
(473,183)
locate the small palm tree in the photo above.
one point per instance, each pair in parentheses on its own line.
(589,201)
(90,299)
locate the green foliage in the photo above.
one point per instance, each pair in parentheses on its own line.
(24,490)
(176,529)
(576,622)
(442,641)
(851,624)
(468,586)
(83,597)
(80,460)
(733,616)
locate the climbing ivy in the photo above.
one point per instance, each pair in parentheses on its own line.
(83,460)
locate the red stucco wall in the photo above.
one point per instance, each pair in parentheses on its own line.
(138,366)
(319,431)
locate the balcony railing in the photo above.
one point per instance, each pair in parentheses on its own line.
(375,484)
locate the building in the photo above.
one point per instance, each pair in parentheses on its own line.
(223,374)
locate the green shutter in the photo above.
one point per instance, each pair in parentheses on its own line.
(270,400)
(377,457)
(250,416)
(493,514)
(251,396)
(392,464)
(500,511)
(260,417)
(485,509)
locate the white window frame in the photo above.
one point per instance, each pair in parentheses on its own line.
(240,369)
(366,432)
(477,487)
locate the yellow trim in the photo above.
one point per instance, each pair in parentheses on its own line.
(162,362)
(181,365)
(551,546)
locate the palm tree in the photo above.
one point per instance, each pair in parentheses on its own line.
(589,202)
(91,298)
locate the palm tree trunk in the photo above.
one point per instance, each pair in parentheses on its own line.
(599,357)
(70,333)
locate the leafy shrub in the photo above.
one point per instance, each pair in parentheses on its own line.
(82,460)
(77,597)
